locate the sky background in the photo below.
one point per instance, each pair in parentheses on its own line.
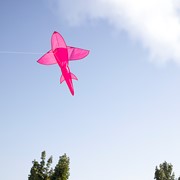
(124,118)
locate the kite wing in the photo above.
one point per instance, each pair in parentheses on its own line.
(76,53)
(48,59)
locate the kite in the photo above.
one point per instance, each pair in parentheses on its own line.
(61,54)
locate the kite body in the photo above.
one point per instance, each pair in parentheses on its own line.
(61,54)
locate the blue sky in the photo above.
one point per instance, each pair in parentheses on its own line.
(124,117)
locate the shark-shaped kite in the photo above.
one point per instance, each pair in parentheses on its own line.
(61,54)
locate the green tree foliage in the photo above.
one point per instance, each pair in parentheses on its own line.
(43,170)
(61,171)
(164,172)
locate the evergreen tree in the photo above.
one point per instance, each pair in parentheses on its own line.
(164,172)
(61,171)
(42,170)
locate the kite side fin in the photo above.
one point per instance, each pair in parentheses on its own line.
(76,53)
(73,76)
(62,79)
(47,59)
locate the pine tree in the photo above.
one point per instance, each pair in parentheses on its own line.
(61,171)
(164,172)
(42,170)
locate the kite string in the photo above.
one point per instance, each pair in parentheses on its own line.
(18,52)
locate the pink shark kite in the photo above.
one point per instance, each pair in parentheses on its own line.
(61,54)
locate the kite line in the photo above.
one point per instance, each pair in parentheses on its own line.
(18,52)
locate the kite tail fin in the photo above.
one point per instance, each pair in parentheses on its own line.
(62,79)
(73,76)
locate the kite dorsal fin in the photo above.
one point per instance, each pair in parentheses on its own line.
(62,79)
(73,76)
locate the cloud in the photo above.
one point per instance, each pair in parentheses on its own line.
(155,23)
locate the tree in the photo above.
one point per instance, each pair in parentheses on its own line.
(42,170)
(61,171)
(164,172)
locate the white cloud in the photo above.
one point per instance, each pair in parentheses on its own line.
(155,23)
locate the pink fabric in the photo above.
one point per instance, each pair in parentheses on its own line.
(76,53)
(61,54)
(57,41)
(47,59)
(62,79)
(73,76)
